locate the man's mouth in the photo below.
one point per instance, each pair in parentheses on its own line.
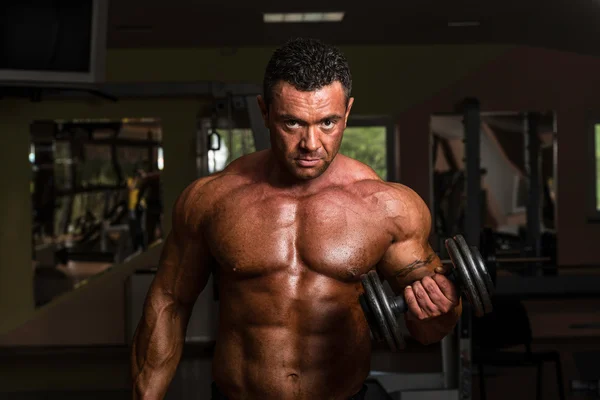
(308,162)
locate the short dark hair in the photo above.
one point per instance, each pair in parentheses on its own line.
(307,64)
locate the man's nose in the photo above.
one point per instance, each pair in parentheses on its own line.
(310,141)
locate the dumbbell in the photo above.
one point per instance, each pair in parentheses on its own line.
(469,274)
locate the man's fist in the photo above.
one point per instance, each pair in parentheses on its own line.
(430,297)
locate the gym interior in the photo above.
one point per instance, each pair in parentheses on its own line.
(108,110)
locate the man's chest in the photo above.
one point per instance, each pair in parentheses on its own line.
(334,233)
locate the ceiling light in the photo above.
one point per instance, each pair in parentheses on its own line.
(303,17)
(293,17)
(333,16)
(313,17)
(270,18)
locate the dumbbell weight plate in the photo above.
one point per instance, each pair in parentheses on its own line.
(489,284)
(475,274)
(370,317)
(391,319)
(464,279)
(377,313)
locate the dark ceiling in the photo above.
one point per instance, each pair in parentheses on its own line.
(560,24)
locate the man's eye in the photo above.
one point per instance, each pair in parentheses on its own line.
(291,123)
(328,123)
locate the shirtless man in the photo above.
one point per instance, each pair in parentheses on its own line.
(289,231)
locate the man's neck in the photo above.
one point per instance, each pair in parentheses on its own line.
(278,176)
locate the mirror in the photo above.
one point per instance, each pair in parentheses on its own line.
(518,167)
(96,198)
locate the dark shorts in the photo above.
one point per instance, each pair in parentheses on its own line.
(217,395)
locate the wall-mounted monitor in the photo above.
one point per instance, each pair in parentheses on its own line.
(53,41)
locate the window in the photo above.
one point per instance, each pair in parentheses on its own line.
(594,165)
(367,144)
(593,195)
(371,140)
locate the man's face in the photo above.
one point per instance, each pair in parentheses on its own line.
(306,127)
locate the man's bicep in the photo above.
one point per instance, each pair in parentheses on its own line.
(409,257)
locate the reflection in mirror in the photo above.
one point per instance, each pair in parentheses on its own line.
(96,198)
(224,133)
(228,145)
(517,158)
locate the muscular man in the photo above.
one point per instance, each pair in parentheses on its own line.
(289,231)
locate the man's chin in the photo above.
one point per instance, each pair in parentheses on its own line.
(308,173)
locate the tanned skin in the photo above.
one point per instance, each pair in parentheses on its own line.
(289,231)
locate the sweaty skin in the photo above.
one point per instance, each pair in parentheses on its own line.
(289,255)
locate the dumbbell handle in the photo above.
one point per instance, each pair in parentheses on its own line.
(398,303)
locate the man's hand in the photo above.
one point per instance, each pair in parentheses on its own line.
(431,297)
(434,307)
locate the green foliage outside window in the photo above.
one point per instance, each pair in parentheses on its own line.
(366,144)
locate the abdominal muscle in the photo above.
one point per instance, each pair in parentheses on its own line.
(276,341)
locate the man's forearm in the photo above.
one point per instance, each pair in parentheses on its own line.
(157,348)
(435,329)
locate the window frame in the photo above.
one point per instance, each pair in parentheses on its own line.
(592,201)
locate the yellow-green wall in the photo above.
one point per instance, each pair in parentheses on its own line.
(387,80)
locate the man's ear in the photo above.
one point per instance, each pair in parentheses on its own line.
(348,107)
(263,110)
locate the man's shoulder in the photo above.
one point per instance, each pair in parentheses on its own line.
(213,187)
(195,202)
(392,191)
(406,209)
(355,170)
(209,189)
(396,201)
(403,193)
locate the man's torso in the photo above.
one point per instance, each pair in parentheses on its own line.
(289,268)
